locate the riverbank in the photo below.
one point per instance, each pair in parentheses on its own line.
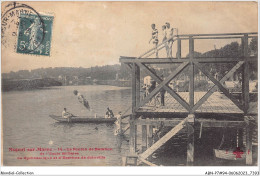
(28,84)
(118,83)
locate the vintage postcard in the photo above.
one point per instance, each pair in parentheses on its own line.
(129,84)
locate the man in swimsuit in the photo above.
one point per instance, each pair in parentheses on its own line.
(118,123)
(169,35)
(165,38)
(154,39)
(82,100)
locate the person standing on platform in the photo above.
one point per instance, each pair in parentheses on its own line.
(118,123)
(154,39)
(169,35)
(165,38)
(151,88)
(162,93)
(143,92)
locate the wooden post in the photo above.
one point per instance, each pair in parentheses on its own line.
(133,87)
(190,143)
(149,137)
(240,137)
(245,79)
(133,117)
(124,161)
(179,48)
(249,134)
(191,85)
(133,136)
(138,84)
(144,138)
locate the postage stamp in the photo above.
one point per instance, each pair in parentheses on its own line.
(34,36)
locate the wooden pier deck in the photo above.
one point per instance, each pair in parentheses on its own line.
(216,103)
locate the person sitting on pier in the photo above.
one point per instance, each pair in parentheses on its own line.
(66,115)
(155,39)
(109,113)
(82,99)
(169,35)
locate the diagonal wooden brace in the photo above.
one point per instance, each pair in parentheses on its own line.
(130,66)
(146,162)
(163,84)
(163,140)
(218,84)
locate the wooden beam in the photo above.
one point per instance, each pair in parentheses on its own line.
(162,84)
(191,73)
(218,34)
(240,137)
(245,72)
(144,138)
(206,123)
(213,38)
(138,84)
(149,137)
(190,140)
(133,87)
(133,137)
(159,48)
(163,140)
(129,66)
(125,128)
(155,122)
(132,143)
(124,161)
(146,162)
(214,88)
(179,48)
(249,134)
(222,124)
(184,59)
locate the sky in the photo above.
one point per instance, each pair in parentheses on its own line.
(87,34)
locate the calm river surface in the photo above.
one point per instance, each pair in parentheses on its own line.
(26,124)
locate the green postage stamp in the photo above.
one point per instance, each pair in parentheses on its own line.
(34,36)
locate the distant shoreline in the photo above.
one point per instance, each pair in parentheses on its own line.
(49,83)
(28,84)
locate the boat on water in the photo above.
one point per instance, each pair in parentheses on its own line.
(84,119)
(234,155)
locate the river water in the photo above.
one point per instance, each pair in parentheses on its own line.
(26,124)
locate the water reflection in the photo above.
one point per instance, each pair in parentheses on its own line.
(66,126)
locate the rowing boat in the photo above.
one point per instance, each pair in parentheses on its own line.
(230,154)
(84,119)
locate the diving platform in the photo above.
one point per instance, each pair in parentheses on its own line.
(217,107)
